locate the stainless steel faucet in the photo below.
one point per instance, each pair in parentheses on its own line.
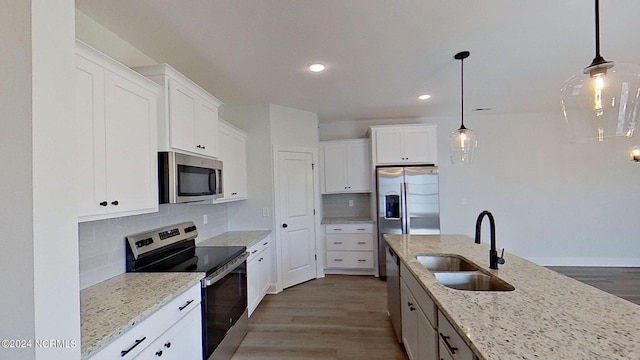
(494,260)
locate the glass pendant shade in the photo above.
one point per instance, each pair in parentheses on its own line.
(462,145)
(602,104)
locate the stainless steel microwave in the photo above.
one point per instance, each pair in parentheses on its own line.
(186,178)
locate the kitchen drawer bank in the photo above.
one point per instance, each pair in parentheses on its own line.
(547,316)
(113,307)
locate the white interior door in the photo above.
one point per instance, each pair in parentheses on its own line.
(295,214)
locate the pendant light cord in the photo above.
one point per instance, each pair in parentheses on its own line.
(462,93)
(598,56)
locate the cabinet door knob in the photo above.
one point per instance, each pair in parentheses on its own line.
(115,203)
(285,225)
(159,353)
(168,344)
(104,203)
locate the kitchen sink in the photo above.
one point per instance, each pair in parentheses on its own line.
(446,263)
(472,281)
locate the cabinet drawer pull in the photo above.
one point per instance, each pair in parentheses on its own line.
(446,342)
(185,305)
(361,260)
(254,251)
(337,229)
(337,242)
(337,259)
(265,244)
(138,342)
(362,242)
(361,229)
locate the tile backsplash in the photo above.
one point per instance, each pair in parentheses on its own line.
(102,243)
(337,205)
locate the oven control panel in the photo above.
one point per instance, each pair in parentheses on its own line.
(148,241)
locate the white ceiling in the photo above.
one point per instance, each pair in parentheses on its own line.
(380,54)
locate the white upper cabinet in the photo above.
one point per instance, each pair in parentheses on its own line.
(233,153)
(189,122)
(116,115)
(404,144)
(346,166)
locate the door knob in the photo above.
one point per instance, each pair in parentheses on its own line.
(284,225)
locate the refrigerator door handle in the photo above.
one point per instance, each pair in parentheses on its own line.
(406,214)
(403,207)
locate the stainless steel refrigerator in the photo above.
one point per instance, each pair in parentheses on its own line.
(407,203)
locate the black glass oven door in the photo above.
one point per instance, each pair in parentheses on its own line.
(224,302)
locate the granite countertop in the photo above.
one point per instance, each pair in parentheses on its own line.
(346,220)
(236,238)
(547,316)
(111,307)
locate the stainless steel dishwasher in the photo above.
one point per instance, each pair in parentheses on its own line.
(393,292)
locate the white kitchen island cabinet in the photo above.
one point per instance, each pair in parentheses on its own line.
(116,114)
(233,153)
(346,166)
(418,312)
(404,144)
(189,119)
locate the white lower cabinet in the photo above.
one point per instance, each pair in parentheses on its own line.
(182,341)
(349,246)
(451,344)
(173,332)
(419,337)
(426,332)
(258,272)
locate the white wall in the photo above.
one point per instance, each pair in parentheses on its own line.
(99,37)
(555,202)
(293,127)
(39,257)
(254,119)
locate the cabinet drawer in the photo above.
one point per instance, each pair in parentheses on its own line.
(350,259)
(448,335)
(140,336)
(258,247)
(349,242)
(364,228)
(422,298)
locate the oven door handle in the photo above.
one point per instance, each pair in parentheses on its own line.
(214,278)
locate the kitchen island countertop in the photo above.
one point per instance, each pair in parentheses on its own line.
(110,308)
(547,316)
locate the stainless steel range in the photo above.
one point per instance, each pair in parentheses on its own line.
(224,288)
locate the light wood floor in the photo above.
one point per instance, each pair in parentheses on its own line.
(338,317)
(622,282)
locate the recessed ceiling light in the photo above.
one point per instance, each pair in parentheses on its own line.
(316,67)
(424,97)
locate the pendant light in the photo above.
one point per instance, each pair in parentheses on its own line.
(602,101)
(463,141)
